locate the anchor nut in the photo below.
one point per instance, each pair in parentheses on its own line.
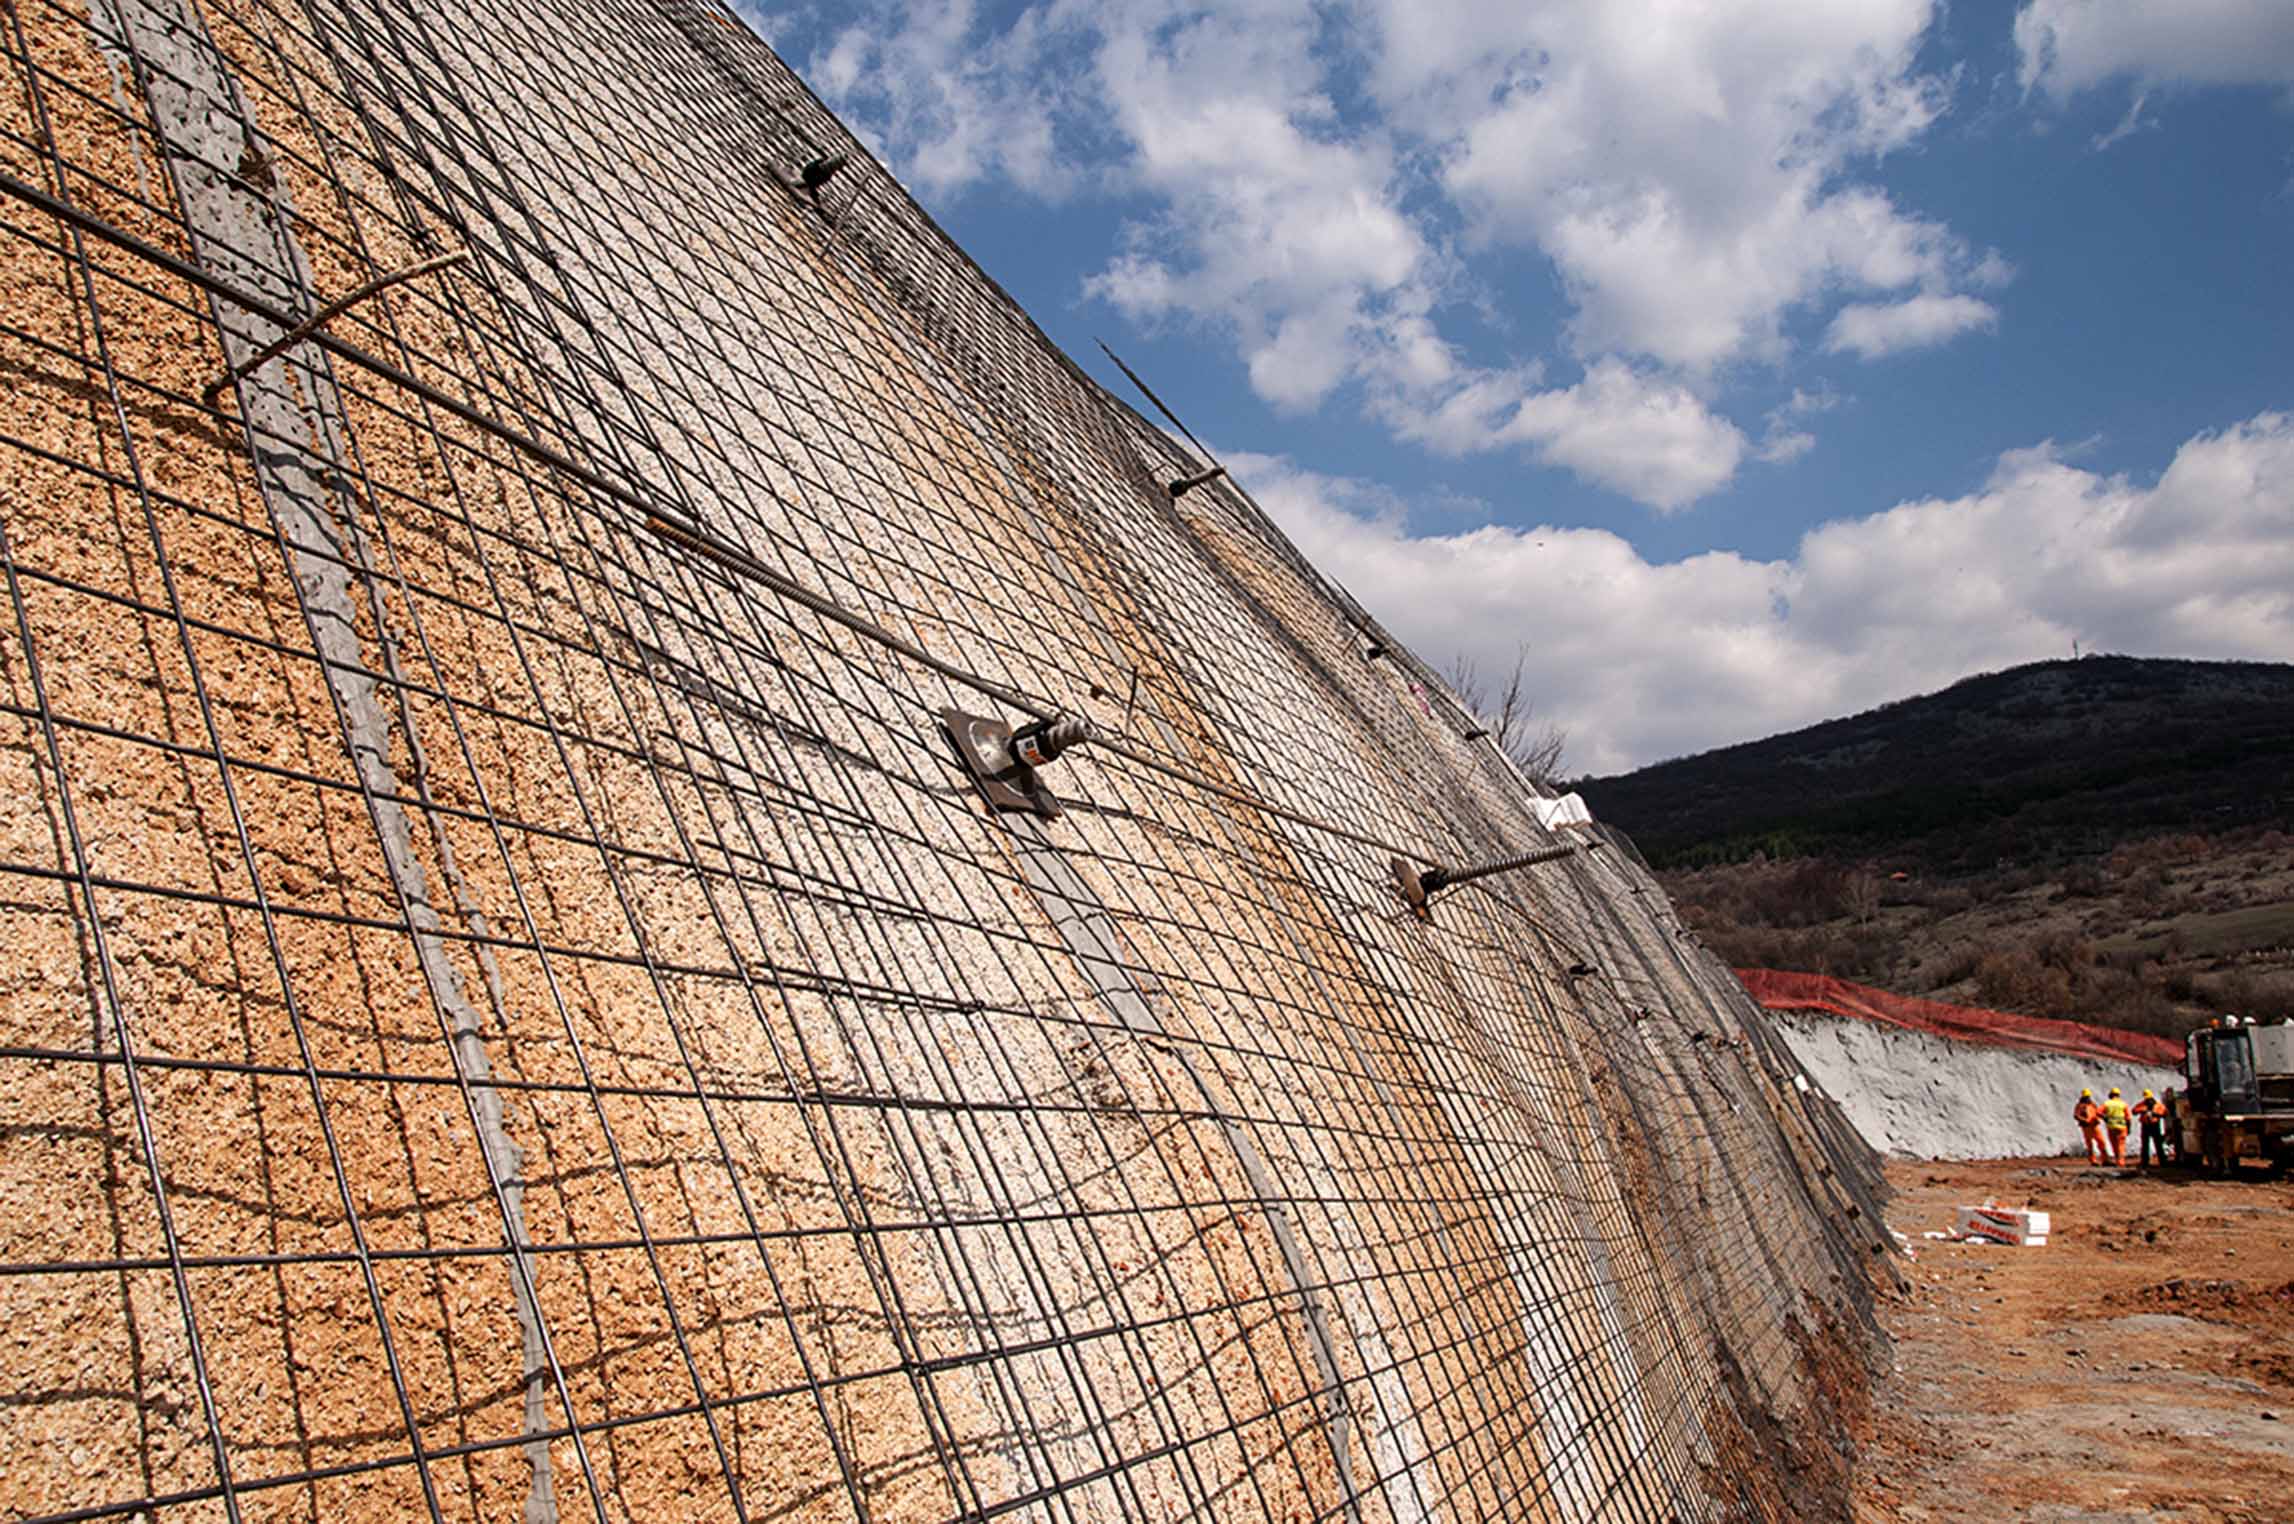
(1043,741)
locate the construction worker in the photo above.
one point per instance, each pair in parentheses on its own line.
(2115,1124)
(2089,1116)
(2152,1113)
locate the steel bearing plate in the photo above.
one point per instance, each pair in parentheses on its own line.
(985,747)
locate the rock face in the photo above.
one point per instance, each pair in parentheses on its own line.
(514,1004)
(1922,1097)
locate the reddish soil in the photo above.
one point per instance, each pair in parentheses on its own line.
(2138,1366)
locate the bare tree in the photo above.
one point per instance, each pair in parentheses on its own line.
(1860,895)
(1511,716)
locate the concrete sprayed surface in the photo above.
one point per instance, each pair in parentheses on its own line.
(509,1018)
(1914,1095)
(2139,1366)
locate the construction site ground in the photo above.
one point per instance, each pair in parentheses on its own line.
(2138,1366)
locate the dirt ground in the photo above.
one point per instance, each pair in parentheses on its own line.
(2138,1366)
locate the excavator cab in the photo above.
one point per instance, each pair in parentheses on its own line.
(2219,1063)
(2234,1108)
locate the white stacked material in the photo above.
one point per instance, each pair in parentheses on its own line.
(1918,1096)
(2006,1225)
(1568,810)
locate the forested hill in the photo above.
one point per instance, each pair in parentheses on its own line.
(2034,765)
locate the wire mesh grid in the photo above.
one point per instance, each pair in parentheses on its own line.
(505,1015)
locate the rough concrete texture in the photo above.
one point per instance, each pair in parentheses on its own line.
(504,1015)
(1916,1096)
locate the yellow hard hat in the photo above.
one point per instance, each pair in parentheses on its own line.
(2114,1090)
(2086,1095)
(2148,1096)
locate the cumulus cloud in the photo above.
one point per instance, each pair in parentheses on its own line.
(1687,166)
(1643,660)
(1639,435)
(1265,215)
(1784,439)
(2066,46)
(1873,329)
(1653,442)
(953,101)
(1337,188)
(1270,220)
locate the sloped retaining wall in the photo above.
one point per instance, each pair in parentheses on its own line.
(509,1013)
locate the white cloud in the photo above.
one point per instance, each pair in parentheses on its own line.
(1334,187)
(1271,221)
(1653,442)
(2065,46)
(1781,446)
(1644,437)
(1267,217)
(1686,165)
(1873,329)
(1645,660)
(2128,126)
(1782,439)
(949,101)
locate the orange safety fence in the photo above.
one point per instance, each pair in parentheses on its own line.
(1780,991)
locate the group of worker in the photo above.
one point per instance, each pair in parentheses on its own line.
(2103,1126)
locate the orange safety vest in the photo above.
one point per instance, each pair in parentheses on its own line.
(2086,1113)
(2151,1111)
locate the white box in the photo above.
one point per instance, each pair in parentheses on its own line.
(2005,1225)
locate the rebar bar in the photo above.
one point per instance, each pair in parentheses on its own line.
(326,314)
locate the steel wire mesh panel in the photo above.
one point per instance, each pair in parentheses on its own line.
(507,1015)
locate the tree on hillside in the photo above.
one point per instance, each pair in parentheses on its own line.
(1860,895)
(1511,716)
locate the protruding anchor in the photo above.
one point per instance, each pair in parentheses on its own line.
(1420,885)
(326,315)
(1187,484)
(1003,761)
(1043,741)
(820,171)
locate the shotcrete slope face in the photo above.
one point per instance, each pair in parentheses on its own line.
(1924,1097)
(507,1014)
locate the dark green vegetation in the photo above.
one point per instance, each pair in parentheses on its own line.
(2035,766)
(2106,840)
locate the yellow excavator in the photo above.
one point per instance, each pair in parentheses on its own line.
(2238,1098)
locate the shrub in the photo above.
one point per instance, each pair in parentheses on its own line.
(2063,950)
(2126,1001)
(2017,979)
(1950,901)
(2146,894)
(2157,854)
(2246,994)
(1808,892)
(1959,963)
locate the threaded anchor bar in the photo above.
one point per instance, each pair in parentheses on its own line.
(1419,885)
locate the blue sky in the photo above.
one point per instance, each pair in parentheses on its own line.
(1743,362)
